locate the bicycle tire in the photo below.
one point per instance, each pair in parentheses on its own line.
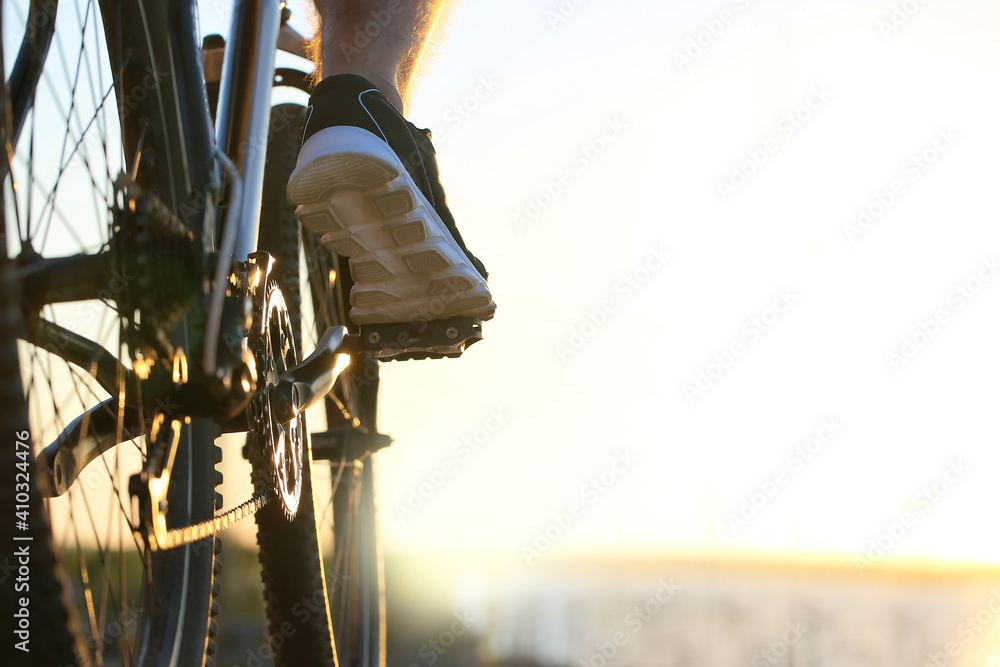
(140,129)
(304,584)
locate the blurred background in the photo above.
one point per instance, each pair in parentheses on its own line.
(738,404)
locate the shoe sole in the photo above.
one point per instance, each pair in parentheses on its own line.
(349,186)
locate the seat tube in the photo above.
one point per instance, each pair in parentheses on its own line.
(245,106)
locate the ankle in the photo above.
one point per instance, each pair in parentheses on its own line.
(381,80)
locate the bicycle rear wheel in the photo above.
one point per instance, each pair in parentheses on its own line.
(101,112)
(322,571)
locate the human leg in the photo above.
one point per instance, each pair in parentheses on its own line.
(381,40)
(367,179)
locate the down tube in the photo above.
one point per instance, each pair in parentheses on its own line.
(192,100)
(245,106)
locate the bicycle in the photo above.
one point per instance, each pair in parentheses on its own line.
(129,344)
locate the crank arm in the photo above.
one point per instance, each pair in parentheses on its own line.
(306,384)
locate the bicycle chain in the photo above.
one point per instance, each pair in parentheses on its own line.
(177,537)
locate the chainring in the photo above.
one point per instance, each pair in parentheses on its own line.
(283,445)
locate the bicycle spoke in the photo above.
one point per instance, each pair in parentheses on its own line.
(85,581)
(31,167)
(49,206)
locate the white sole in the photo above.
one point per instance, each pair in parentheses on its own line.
(349,186)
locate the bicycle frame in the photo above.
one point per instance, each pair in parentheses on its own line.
(242,124)
(239,144)
(224,172)
(245,108)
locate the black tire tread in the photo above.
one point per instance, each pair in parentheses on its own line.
(289,551)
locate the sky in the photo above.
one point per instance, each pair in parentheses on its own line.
(744,255)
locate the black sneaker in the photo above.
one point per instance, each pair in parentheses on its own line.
(367,180)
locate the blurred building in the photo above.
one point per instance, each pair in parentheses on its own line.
(726,613)
(445,612)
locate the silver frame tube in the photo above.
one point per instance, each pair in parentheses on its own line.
(245,108)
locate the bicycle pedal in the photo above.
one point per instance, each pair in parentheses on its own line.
(436,339)
(346,442)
